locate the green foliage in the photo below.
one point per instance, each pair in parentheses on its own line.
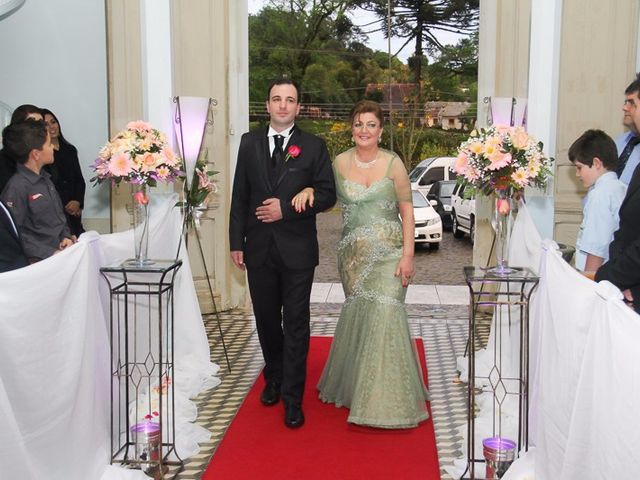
(419,21)
(453,76)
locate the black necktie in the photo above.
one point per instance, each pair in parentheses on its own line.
(276,156)
(626,153)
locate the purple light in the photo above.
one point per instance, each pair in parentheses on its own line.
(499,443)
(189,121)
(146,427)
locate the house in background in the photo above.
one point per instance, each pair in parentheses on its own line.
(454,116)
(432,113)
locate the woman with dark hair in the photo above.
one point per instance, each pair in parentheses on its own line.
(66,174)
(8,164)
(373,366)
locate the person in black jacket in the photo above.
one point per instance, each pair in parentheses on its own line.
(66,174)
(278,245)
(623,267)
(11,253)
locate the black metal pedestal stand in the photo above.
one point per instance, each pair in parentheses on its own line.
(511,295)
(142,361)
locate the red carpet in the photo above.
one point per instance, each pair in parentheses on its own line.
(259,446)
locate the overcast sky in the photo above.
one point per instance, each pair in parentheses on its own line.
(376,40)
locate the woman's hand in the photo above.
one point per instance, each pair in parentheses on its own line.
(405,270)
(299,202)
(73,208)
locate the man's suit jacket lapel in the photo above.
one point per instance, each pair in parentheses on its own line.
(294,140)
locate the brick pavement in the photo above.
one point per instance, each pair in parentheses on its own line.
(439,267)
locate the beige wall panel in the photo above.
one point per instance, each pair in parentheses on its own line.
(597,62)
(125,86)
(512,56)
(200,54)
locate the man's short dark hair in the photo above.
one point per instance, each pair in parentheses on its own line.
(21,113)
(283,81)
(634,87)
(19,139)
(591,144)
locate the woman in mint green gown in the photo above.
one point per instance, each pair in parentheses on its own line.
(373,367)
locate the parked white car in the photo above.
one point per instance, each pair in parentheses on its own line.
(428,222)
(429,171)
(463,214)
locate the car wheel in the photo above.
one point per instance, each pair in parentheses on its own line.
(472,230)
(434,246)
(457,233)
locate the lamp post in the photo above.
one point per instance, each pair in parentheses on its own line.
(190,119)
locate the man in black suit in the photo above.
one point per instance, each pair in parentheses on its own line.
(623,267)
(11,254)
(279,246)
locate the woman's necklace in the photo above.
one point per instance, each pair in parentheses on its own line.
(368,164)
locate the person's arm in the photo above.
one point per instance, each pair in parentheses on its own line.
(593,263)
(623,270)
(240,198)
(323,184)
(599,223)
(76,181)
(406,267)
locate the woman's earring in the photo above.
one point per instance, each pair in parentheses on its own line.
(353,140)
(379,138)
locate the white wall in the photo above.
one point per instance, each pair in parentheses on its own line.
(53,55)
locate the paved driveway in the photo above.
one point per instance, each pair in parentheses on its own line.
(437,267)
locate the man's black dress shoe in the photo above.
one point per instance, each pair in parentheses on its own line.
(271,394)
(293,416)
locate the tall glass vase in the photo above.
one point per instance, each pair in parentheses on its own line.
(141,207)
(503,216)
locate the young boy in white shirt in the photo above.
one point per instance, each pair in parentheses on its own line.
(595,157)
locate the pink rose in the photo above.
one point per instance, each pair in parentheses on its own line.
(292,152)
(140,198)
(503,206)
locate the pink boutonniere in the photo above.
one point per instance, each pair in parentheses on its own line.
(292,152)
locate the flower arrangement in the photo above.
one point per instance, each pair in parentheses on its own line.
(139,155)
(503,160)
(198,195)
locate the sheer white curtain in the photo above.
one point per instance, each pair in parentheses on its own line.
(54,358)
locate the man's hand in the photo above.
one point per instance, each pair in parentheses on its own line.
(237,257)
(270,211)
(73,208)
(628,297)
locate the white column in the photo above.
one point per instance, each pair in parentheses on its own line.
(544,68)
(157,85)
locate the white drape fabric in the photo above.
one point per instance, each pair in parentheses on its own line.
(54,357)
(585,380)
